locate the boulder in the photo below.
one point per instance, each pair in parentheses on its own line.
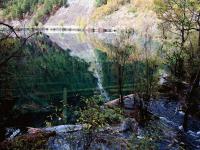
(65,128)
(129,124)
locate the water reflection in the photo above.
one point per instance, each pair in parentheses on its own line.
(66,66)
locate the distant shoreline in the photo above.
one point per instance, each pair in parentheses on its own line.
(101,30)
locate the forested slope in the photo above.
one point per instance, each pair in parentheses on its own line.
(35,10)
(77,13)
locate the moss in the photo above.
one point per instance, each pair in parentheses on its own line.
(28,142)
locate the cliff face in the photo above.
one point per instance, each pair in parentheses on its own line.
(116,14)
(77,14)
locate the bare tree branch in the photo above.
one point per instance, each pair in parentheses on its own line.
(10,27)
(19,49)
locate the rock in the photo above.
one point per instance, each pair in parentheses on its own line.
(67,141)
(11,133)
(129,103)
(34,130)
(36,140)
(65,128)
(129,124)
(180,127)
(140,137)
(15,134)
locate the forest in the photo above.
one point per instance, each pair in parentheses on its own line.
(100,74)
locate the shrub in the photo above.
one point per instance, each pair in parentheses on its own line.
(132,10)
(100,2)
(149,141)
(94,116)
(110,7)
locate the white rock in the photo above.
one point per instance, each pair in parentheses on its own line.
(140,137)
(14,134)
(65,128)
(181,113)
(180,127)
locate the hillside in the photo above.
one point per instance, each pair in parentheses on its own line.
(29,12)
(76,14)
(122,14)
(109,14)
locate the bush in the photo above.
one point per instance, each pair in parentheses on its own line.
(100,2)
(110,7)
(149,141)
(94,116)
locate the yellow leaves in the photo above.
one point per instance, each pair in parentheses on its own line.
(81,22)
(175,7)
(111,6)
(8,43)
(48,124)
(93,117)
(88,126)
(143,4)
(160,5)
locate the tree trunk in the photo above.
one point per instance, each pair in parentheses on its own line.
(134,77)
(189,102)
(120,84)
(198,22)
(199,41)
(185,120)
(147,77)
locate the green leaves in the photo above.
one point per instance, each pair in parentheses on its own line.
(95,117)
(100,2)
(40,8)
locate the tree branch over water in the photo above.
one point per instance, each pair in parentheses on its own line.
(24,40)
(10,27)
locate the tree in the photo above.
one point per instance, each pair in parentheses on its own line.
(22,41)
(183,17)
(175,13)
(120,52)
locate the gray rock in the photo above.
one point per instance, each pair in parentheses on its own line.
(129,124)
(67,141)
(64,128)
(129,103)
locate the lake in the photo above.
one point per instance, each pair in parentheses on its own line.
(55,72)
(56,65)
